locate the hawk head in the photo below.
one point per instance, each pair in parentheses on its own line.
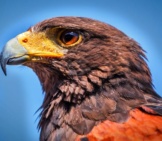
(90,71)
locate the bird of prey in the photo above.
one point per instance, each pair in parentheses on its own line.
(97,84)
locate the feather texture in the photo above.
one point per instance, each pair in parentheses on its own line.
(98,89)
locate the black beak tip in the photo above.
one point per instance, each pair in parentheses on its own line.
(4,70)
(3,65)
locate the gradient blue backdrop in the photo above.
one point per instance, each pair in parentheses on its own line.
(20,92)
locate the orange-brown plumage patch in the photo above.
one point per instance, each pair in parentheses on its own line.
(139,127)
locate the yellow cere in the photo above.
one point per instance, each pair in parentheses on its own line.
(38,44)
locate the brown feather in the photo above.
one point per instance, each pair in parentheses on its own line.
(97,87)
(103,78)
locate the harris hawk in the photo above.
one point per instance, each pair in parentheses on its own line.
(97,84)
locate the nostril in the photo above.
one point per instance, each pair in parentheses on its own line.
(25,40)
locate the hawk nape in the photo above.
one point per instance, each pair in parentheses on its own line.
(96,82)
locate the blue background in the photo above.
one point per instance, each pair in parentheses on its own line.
(20,92)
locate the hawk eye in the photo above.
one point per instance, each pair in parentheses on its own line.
(69,38)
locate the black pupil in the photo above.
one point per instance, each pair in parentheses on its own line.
(68,36)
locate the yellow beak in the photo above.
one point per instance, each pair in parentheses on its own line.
(29,46)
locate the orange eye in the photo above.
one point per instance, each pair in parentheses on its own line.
(69,38)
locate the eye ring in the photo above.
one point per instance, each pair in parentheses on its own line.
(68,38)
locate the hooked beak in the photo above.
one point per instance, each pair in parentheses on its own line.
(29,46)
(13,54)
